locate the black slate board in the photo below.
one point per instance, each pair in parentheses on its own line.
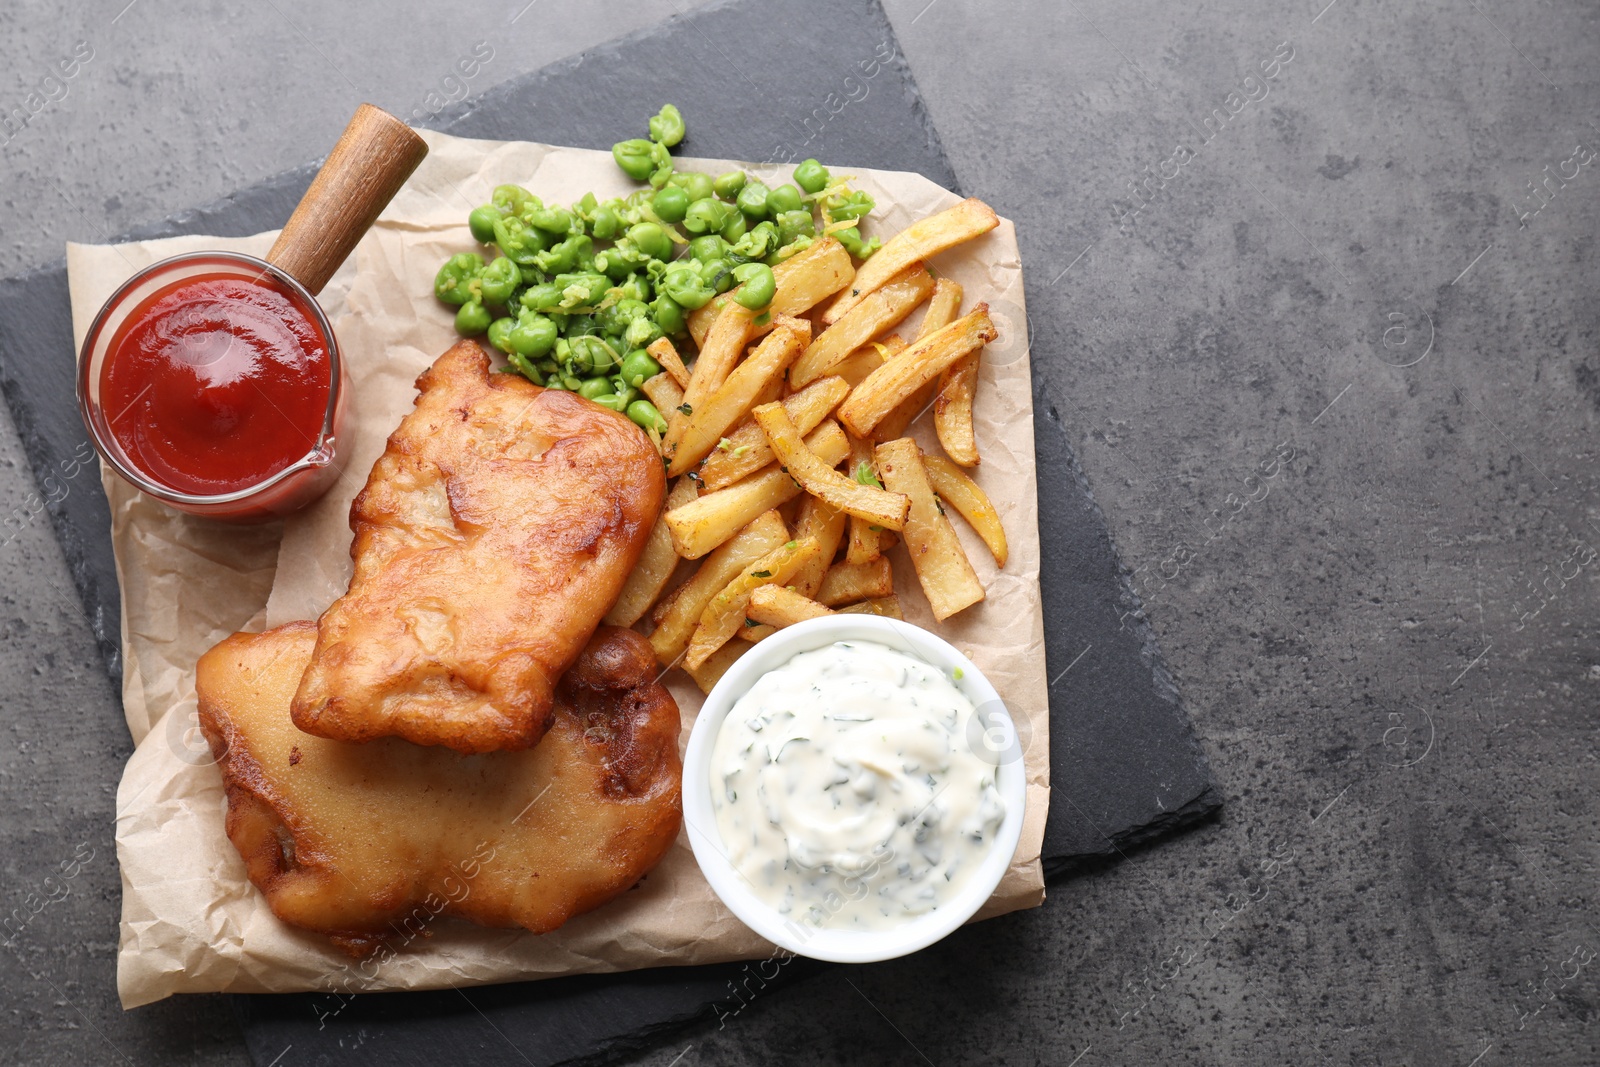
(755,81)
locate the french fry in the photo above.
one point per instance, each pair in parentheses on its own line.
(721,351)
(922,239)
(756,539)
(855,367)
(863,544)
(885,388)
(819,478)
(878,314)
(846,583)
(761,370)
(663,392)
(664,352)
(745,450)
(804,280)
(701,525)
(656,564)
(716,665)
(971,503)
(944,307)
(952,409)
(942,566)
(824,524)
(725,613)
(887,606)
(777,607)
(663,606)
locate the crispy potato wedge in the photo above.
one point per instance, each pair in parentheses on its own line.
(716,665)
(804,280)
(876,315)
(941,564)
(952,409)
(665,353)
(725,614)
(656,564)
(701,525)
(663,392)
(777,607)
(855,367)
(760,372)
(824,524)
(659,610)
(922,239)
(718,356)
(888,386)
(887,606)
(819,478)
(944,307)
(759,537)
(745,450)
(863,546)
(846,583)
(958,490)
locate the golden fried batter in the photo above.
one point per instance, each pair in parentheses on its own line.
(369,842)
(493,534)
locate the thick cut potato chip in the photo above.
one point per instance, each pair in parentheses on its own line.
(804,280)
(745,450)
(888,386)
(759,537)
(952,409)
(723,617)
(887,606)
(716,361)
(846,583)
(777,607)
(824,524)
(760,372)
(970,502)
(863,546)
(716,665)
(663,392)
(944,307)
(820,479)
(874,316)
(923,238)
(665,353)
(656,564)
(942,566)
(855,367)
(701,525)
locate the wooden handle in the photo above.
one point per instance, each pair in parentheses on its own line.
(374,157)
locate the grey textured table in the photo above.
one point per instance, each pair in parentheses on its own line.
(1331,379)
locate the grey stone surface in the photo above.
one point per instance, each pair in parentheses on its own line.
(1387,637)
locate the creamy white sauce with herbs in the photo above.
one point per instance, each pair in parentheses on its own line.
(845,789)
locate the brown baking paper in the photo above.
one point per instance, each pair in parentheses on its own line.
(191,920)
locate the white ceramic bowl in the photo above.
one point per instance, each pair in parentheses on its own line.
(851,946)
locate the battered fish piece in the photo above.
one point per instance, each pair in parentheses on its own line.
(367,843)
(492,536)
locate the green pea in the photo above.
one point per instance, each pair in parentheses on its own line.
(541,297)
(811,176)
(760,242)
(645,414)
(498,329)
(710,246)
(556,220)
(522,366)
(592,355)
(499,280)
(727,185)
(594,387)
(718,274)
(851,239)
(519,241)
(671,204)
(668,315)
(735,227)
(611,401)
(697,185)
(606,222)
(793,225)
(752,200)
(638,368)
(651,239)
(634,157)
(472,319)
(514,200)
(784,198)
(667,126)
(849,206)
(532,336)
(683,284)
(661,169)
(707,215)
(757,285)
(452,282)
(481,222)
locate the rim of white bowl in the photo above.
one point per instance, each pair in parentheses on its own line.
(846,946)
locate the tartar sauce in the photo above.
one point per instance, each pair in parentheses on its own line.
(845,789)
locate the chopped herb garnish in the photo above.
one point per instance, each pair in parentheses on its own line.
(760,574)
(865,476)
(686,409)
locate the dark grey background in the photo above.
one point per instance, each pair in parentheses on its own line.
(1389,651)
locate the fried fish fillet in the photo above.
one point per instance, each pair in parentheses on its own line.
(493,534)
(367,843)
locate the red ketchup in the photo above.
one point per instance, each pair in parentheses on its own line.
(216,382)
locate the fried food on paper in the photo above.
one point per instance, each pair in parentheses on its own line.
(371,843)
(493,534)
